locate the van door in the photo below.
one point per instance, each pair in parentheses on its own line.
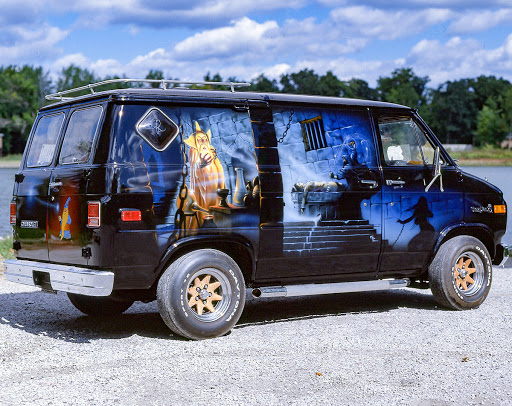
(413,215)
(31,193)
(67,214)
(331,188)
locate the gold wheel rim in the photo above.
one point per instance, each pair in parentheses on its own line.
(203,295)
(463,273)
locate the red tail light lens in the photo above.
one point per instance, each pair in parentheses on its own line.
(13,213)
(131,215)
(93,214)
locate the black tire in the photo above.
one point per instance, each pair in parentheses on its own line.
(99,305)
(201,294)
(461,273)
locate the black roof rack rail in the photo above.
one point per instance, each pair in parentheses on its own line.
(164,83)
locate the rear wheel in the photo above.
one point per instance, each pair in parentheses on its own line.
(460,274)
(99,305)
(201,294)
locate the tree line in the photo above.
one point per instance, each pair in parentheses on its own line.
(474,111)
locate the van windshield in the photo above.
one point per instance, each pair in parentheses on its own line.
(44,140)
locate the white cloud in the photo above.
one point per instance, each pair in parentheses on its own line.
(408,4)
(460,58)
(30,45)
(479,21)
(161,14)
(388,25)
(244,35)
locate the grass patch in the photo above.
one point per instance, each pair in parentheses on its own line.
(6,251)
(484,156)
(11,158)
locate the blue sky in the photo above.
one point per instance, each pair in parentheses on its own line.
(442,39)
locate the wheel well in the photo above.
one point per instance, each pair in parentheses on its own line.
(478,233)
(240,254)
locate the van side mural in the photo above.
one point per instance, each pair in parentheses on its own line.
(213,151)
(324,155)
(331,189)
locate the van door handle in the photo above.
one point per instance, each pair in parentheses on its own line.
(371,183)
(391,182)
(56,184)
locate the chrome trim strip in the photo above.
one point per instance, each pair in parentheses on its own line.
(329,288)
(72,279)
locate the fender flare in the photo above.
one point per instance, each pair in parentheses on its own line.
(206,240)
(462,228)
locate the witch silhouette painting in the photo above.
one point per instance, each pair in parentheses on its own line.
(420,214)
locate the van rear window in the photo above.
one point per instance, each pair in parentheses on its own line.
(79,136)
(44,140)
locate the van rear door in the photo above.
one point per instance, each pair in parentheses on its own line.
(31,193)
(67,214)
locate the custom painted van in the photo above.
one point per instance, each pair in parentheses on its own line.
(193,197)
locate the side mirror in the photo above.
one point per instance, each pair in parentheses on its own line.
(436,171)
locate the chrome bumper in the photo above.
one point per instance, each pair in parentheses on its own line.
(506,262)
(65,278)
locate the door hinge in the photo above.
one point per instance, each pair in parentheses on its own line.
(18,177)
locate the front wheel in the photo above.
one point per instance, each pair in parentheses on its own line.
(460,274)
(201,294)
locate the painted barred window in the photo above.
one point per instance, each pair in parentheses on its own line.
(313,133)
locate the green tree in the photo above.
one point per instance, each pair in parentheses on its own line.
(305,81)
(486,87)
(73,77)
(263,84)
(330,85)
(358,89)
(452,112)
(155,75)
(491,126)
(403,87)
(22,93)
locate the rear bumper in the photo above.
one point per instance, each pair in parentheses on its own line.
(72,279)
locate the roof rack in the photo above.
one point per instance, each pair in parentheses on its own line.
(164,83)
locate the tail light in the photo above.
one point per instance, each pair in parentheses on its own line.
(131,215)
(93,214)
(13,213)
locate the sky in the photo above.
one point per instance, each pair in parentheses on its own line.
(442,39)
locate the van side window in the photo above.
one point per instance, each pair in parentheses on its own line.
(44,140)
(157,129)
(404,143)
(79,136)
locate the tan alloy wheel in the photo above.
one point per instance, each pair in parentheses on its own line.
(468,274)
(208,294)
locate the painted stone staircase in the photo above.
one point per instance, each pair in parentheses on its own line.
(329,237)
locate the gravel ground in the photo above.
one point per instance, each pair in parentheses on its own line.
(375,348)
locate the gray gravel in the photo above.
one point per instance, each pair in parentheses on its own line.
(354,349)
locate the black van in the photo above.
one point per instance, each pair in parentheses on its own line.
(191,197)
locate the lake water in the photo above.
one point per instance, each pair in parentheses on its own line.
(499,176)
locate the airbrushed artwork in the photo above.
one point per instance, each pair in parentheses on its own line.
(201,179)
(206,172)
(65,222)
